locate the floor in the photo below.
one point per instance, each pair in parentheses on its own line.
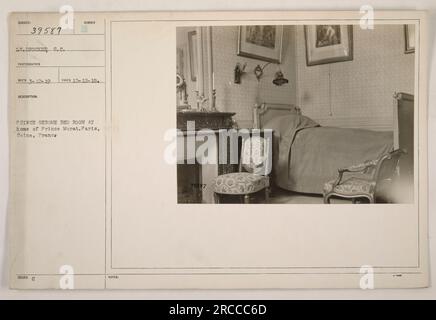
(281,196)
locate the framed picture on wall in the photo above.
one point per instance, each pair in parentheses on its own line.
(409,33)
(328,44)
(261,42)
(192,51)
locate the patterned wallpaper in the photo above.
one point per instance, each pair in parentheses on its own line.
(357,93)
(241,98)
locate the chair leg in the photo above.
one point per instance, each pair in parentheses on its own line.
(216,197)
(246,198)
(267,191)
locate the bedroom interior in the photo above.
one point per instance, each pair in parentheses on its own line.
(334,97)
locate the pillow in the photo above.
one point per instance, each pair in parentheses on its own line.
(281,124)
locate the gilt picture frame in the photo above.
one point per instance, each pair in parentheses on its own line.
(261,42)
(328,44)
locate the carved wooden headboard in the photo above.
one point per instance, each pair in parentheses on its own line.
(266,111)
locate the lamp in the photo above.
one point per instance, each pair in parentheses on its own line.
(279,78)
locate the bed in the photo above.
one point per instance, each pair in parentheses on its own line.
(306,154)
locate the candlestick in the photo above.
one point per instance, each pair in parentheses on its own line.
(209,66)
(200,80)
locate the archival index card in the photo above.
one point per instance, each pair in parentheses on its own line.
(114,124)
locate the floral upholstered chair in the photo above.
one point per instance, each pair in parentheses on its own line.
(254,167)
(366,180)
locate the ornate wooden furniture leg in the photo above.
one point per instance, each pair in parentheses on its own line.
(216,197)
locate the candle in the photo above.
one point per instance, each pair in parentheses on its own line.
(209,66)
(213,80)
(200,83)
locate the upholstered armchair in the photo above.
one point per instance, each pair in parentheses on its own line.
(371,179)
(253,176)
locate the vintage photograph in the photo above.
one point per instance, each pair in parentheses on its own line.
(328,35)
(218,150)
(328,44)
(295,131)
(260,42)
(261,35)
